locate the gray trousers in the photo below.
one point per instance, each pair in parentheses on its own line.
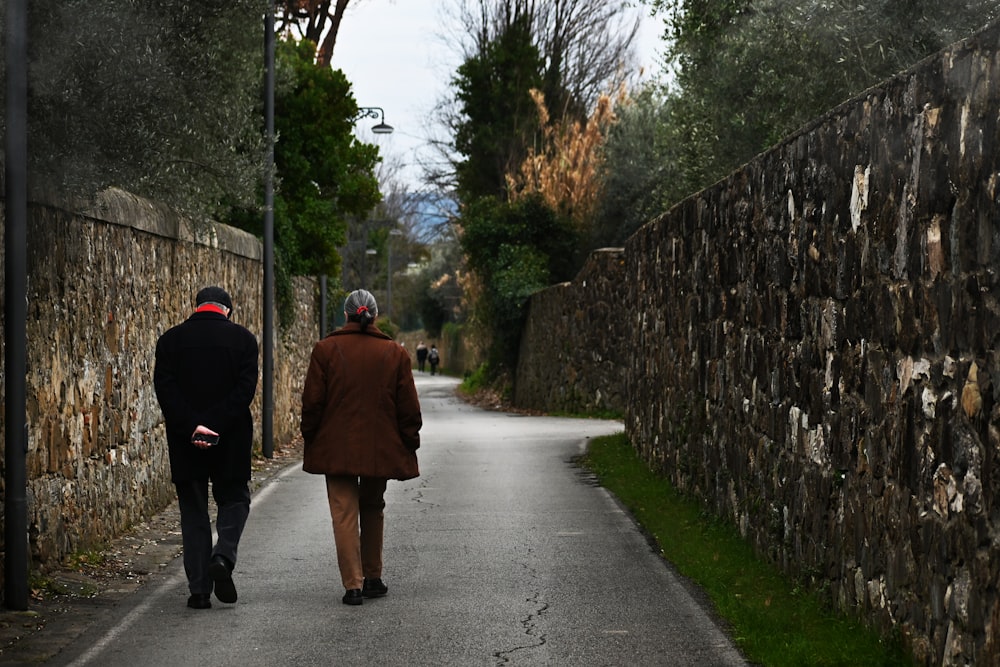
(232,498)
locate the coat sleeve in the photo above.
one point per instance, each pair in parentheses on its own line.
(177,414)
(408,415)
(313,396)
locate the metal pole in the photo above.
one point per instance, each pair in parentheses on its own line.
(364,275)
(16,311)
(388,284)
(267,423)
(388,279)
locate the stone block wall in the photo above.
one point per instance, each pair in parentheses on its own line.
(573,351)
(813,346)
(810,347)
(102,287)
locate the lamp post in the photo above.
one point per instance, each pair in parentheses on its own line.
(364,278)
(374,112)
(381,128)
(388,273)
(267,353)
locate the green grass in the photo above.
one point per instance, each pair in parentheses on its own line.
(773,621)
(475,380)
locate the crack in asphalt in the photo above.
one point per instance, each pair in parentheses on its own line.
(418,493)
(530,630)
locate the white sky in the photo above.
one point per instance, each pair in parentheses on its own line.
(393,53)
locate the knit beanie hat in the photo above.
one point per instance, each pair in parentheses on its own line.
(214,295)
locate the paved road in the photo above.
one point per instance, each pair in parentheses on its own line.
(502,553)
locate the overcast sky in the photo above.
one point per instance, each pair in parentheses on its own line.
(394,54)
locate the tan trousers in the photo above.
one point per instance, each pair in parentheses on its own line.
(356,507)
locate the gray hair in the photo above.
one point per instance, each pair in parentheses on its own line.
(360,307)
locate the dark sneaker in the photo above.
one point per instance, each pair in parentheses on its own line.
(353,596)
(374,588)
(200,601)
(220,572)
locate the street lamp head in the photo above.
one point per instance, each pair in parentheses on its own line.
(374,112)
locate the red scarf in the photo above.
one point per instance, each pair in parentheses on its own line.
(211,308)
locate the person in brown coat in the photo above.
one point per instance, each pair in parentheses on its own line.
(361,427)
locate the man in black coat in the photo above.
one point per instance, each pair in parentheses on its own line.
(205,379)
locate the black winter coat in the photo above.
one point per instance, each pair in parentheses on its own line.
(206,373)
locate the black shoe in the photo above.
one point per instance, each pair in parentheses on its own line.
(374,588)
(200,601)
(221,573)
(353,596)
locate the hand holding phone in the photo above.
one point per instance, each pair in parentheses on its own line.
(205,439)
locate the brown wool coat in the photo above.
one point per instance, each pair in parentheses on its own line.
(360,412)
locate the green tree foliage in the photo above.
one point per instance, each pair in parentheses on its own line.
(324,174)
(432,312)
(573,51)
(749,72)
(498,114)
(162,99)
(640,171)
(514,249)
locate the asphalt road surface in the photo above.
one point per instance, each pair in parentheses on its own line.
(503,552)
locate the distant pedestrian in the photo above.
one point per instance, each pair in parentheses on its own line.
(433,358)
(421,355)
(361,426)
(205,377)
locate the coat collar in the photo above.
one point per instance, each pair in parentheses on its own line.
(207,315)
(355,328)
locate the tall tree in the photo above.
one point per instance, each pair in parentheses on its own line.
(317,21)
(160,99)
(523,177)
(640,175)
(588,48)
(584,48)
(326,175)
(497,110)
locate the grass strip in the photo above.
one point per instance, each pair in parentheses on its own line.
(773,621)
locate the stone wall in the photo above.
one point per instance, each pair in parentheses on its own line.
(102,287)
(810,347)
(573,351)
